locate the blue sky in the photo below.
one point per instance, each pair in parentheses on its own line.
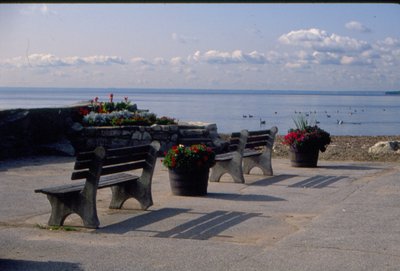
(206,46)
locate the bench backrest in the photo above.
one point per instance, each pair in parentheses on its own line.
(255,139)
(190,135)
(115,160)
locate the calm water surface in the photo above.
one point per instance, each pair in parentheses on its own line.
(359,113)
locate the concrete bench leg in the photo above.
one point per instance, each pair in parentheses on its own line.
(262,161)
(231,167)
(136,190)
(64,205)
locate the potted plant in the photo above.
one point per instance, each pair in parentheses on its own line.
(189,168)
(305,142)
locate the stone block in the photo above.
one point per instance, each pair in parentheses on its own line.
(156,127)
(384,147)
(111,132)
(136,135)
(147,137)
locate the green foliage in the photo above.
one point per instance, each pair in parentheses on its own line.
(56,228)
(119,114)
(189,158)
(306,136)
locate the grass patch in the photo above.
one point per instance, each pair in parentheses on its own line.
(56,228)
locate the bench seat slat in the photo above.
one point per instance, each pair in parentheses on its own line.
(224,156)
(76,187)
(250,153)
(62,189)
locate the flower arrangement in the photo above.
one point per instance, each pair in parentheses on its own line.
(306,136)
(119,114)
(189,158)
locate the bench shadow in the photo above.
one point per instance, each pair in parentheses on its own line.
(23,265)
(348,167)
(208,225)
(203,227)
(318,181)
(142,220)
(240,197)
(273,179)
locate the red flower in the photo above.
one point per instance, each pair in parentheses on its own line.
(83,111)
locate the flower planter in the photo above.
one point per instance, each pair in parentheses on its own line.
(192,183)
(307,158)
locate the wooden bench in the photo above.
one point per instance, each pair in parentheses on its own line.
(253,148)
(231,162)
(80,198)
(190,135)
(258,151)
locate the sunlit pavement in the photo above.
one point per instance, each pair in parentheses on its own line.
(338,216)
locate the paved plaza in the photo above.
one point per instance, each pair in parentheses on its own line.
(338,216)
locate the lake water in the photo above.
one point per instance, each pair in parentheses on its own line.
(359,113)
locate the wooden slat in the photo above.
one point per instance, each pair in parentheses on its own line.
(82,156)
(128,150)
(112,160)
(62,189)
(76,187)
(256,144)
(77,175)
(233,147)
(111,180)
(122,168)
(234,141)
(250,153)
(224,156)
(258,138)
(259,132)
(194,140)
(82,164)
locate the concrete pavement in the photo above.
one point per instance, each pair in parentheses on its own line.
(339,216)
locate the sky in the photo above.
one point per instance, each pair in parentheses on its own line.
(201,46)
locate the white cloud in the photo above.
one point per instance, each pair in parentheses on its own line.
(49,60)
(140,60)
(37,9)
(357,26)
(320,40)
(321,48)
(159,61)
(183,38)
(237,56)
(177,61)
(103,60)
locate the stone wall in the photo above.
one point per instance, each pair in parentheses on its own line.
(87,138)
(33,131)
(113,137)
(56,131)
